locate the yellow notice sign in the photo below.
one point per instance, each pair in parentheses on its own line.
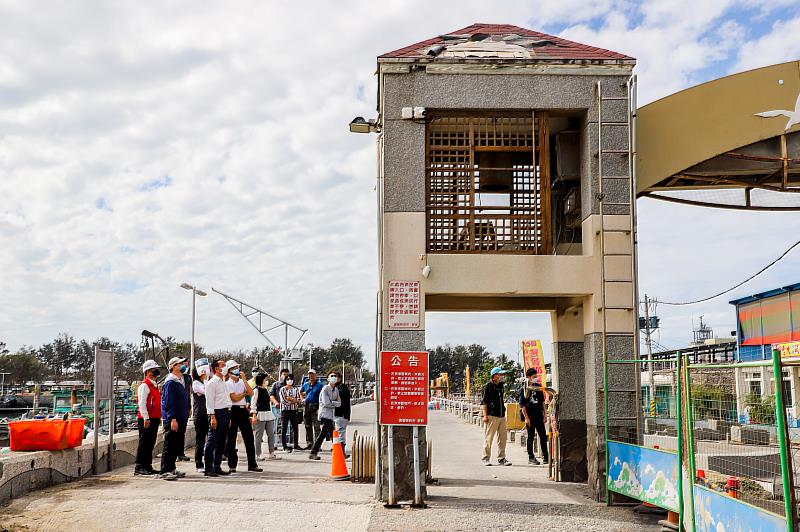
(534,358)
(790,351)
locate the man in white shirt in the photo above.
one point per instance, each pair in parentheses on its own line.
(239,388)
(218,406)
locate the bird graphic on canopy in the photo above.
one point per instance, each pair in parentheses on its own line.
(794,116)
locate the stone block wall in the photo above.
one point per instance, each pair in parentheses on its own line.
(23,472)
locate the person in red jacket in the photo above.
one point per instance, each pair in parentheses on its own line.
(149,418)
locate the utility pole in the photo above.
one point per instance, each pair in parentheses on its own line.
(648,342)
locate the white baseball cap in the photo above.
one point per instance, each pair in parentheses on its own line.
(148,365)
(231,364)
(175,360)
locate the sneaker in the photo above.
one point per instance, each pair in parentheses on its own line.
(201,470)
(255,469)
(221,472)
(232,470)
(503,462)
(183,458)
(275,457)
(178,474)
(143,472)
(211,474)
(486,462)
(167,476)
(313,456)
(289,450)
(533,460)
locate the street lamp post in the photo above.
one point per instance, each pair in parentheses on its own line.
(195,293)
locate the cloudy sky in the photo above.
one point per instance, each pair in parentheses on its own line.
(147,144)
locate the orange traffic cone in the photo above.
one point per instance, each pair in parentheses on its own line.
(338,462)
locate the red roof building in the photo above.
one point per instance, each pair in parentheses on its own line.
(503,42)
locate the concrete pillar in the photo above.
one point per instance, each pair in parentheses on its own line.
(623,383)
(403,437)
(568,379)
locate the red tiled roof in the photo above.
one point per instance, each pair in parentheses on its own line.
(556,48)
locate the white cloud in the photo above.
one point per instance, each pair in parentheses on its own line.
(269,197)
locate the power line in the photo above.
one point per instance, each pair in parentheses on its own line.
(759,272)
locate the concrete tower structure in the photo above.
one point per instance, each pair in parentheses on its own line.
(505,166)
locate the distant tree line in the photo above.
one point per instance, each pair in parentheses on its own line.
(67,358)
(453,360)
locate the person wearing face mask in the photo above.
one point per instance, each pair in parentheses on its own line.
(342,412)
(263,418)
(218,406)
(187,381)
(149,415)
(275,398)
(328,402)
(531,407)
(494,417)
(199,413)
(174,416)
(239,389)
(290,405)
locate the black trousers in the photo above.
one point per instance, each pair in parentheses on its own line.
(537,425)
(172,445)
(326,432)
(311,422)
(147,442)
(240,421)
(217,440)
(289,417)
(200,435)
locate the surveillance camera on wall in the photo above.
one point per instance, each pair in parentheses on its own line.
(426,271)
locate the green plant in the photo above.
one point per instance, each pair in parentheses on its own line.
(761,409)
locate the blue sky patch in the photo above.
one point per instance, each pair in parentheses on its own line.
(162,182)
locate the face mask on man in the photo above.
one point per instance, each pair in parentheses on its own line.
(289,381)
(332,379)
(184,368)
(155,373)
(235,372)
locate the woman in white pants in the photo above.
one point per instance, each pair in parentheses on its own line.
(262,417)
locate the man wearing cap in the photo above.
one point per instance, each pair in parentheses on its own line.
(218,406)
(238,388)
(310,394)
(531,407)
(494,417)
(149,415)
(174,416)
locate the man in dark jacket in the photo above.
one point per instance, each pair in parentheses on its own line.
(342,413)
(174,416)
(494,417)
(531,407)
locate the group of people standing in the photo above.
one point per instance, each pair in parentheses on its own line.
(225,404)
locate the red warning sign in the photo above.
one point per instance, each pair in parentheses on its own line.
(404,388)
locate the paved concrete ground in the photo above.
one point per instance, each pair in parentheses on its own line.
(296,493)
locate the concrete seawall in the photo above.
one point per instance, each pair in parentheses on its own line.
(22,472)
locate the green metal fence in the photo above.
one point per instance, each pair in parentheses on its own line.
(643,452)
(738,450)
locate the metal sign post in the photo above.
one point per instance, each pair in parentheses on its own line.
(103,390)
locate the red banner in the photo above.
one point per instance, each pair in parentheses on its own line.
(533,356)
(404,388)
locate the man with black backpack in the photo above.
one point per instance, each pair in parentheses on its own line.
(531,408)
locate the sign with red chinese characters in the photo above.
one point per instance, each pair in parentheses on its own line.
(403,304)
(404,388)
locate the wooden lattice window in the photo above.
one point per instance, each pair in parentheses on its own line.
(488,184)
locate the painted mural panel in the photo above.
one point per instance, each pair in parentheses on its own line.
(649,475)
(717,512)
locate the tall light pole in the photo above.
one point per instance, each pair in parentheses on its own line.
(195,293)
